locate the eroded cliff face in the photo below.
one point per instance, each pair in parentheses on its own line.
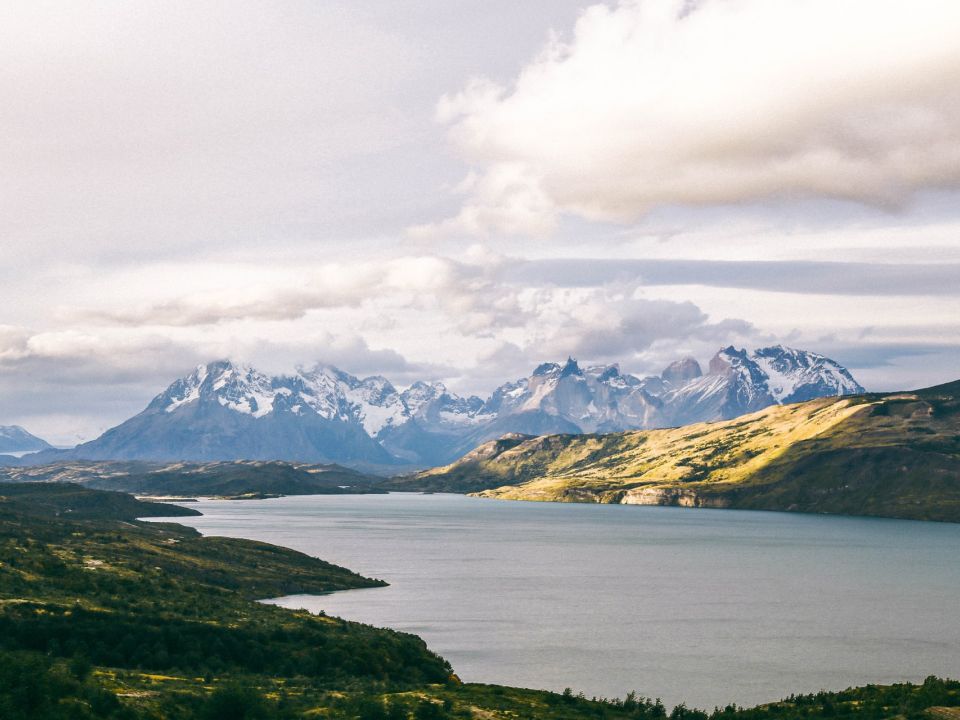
(646,495)
(681,497)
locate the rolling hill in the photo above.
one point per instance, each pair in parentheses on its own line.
(224,479)
(892,455)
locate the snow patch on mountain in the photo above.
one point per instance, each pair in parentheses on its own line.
(791,372)
(245,390)
(186,390)
(378,404)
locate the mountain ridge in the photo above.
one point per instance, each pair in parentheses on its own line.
(321,414)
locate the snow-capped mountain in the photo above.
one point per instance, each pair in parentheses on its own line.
(738,382)
(797,375)
(14,439)
(593,399)
(226,411)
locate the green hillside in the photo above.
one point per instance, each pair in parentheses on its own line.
(892,455)
(240,478)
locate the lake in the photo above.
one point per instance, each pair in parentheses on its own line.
(698,606)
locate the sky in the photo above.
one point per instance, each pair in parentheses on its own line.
(458,190)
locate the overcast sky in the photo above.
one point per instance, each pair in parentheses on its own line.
(461,189)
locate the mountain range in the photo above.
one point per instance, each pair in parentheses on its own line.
(229,411)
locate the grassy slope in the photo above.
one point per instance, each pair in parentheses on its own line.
(137,594)
(894,455)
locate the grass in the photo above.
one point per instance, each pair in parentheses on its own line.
(895,455)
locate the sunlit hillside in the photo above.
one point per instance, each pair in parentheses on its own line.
(895,455)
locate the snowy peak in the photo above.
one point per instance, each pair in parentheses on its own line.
(787,374)
(740,381)
(798,375)
(419,395)
(738,365)
(323,390)
(594,399)
(243,389)
(236,387)
(545,369)
(376,404)
(14,439)
(437,407)
(570,368)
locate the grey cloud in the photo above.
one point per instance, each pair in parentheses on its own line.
(485,298)
(636,325)
(885,354)
(279,304)
(831,278)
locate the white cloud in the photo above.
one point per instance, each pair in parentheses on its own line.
(663,102)
(506,198)
(614,323)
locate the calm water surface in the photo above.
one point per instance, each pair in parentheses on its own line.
(701,606)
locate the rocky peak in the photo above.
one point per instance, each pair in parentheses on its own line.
(570,368)
(543,369)
(680,372)
(607,373)
(421,394)
(726,359)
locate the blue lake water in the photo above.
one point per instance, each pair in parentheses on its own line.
(698,606)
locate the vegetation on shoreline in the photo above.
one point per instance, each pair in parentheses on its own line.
(104,616)
(892,455)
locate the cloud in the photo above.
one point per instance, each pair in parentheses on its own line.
(215,293)
(609,324)
(506,198)
(804,277)
(605,324)
(70,385)
(665,102)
